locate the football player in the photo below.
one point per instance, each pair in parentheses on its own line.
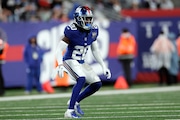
(78,38)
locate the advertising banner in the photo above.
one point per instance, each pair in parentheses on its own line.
(148,30)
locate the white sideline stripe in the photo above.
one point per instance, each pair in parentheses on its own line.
(111,117)
(54,114)
(99,93)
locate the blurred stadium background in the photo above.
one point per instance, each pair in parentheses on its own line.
(47,19)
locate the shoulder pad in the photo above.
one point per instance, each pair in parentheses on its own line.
(94,27)
(71,27)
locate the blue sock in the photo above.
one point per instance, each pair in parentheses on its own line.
(89,90)
(76,90)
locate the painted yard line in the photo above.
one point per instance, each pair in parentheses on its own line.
(21,111)
(62,105)
(42,114)
(25,108)
(83,118)
(139,90)
(138,116)
(58,114)
(134,108)
(101,109)
(30,112)
(98,106)
(117,117)
(112,117)
(122,112)
(133,105)
(99,93)
(40,119)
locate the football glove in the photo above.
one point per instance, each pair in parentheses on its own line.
(107,73)
(59,70)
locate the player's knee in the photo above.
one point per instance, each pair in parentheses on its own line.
(81,80)
(97,85)
(96,79)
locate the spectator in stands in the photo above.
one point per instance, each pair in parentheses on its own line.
(15,10)
(150,4)
(114,5)
(112,11)
(3,52)
(44,10)
(27,11)
(71,12)
(4,15)
(58,14)
(33,56)
(100,4)
(158,4)
(8,7)
(127,51)
(166,4)
(134,4)
(174,68)
(162,47)
(56,3)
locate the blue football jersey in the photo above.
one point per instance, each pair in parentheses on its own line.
(80,41)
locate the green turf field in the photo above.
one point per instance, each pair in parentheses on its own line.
(154,103)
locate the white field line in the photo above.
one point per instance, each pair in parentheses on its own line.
(99,93)
(112,117)
(95,113)
(90,109)
(56,112)
(99,107)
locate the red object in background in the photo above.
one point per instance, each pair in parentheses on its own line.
(146,13)
(147,77)
(44,3)
(121,83)
(47,87)
(113,50)
(15,53)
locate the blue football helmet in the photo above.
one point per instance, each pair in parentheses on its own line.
(83,17)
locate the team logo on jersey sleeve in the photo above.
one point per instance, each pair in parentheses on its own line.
(94,34)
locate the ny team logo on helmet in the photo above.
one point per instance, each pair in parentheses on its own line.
(83,17)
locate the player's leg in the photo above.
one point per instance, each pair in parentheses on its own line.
(75,71)
(93,80)
(89,90)
(94,85)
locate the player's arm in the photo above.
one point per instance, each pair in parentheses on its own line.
(62,45)
(97,56)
